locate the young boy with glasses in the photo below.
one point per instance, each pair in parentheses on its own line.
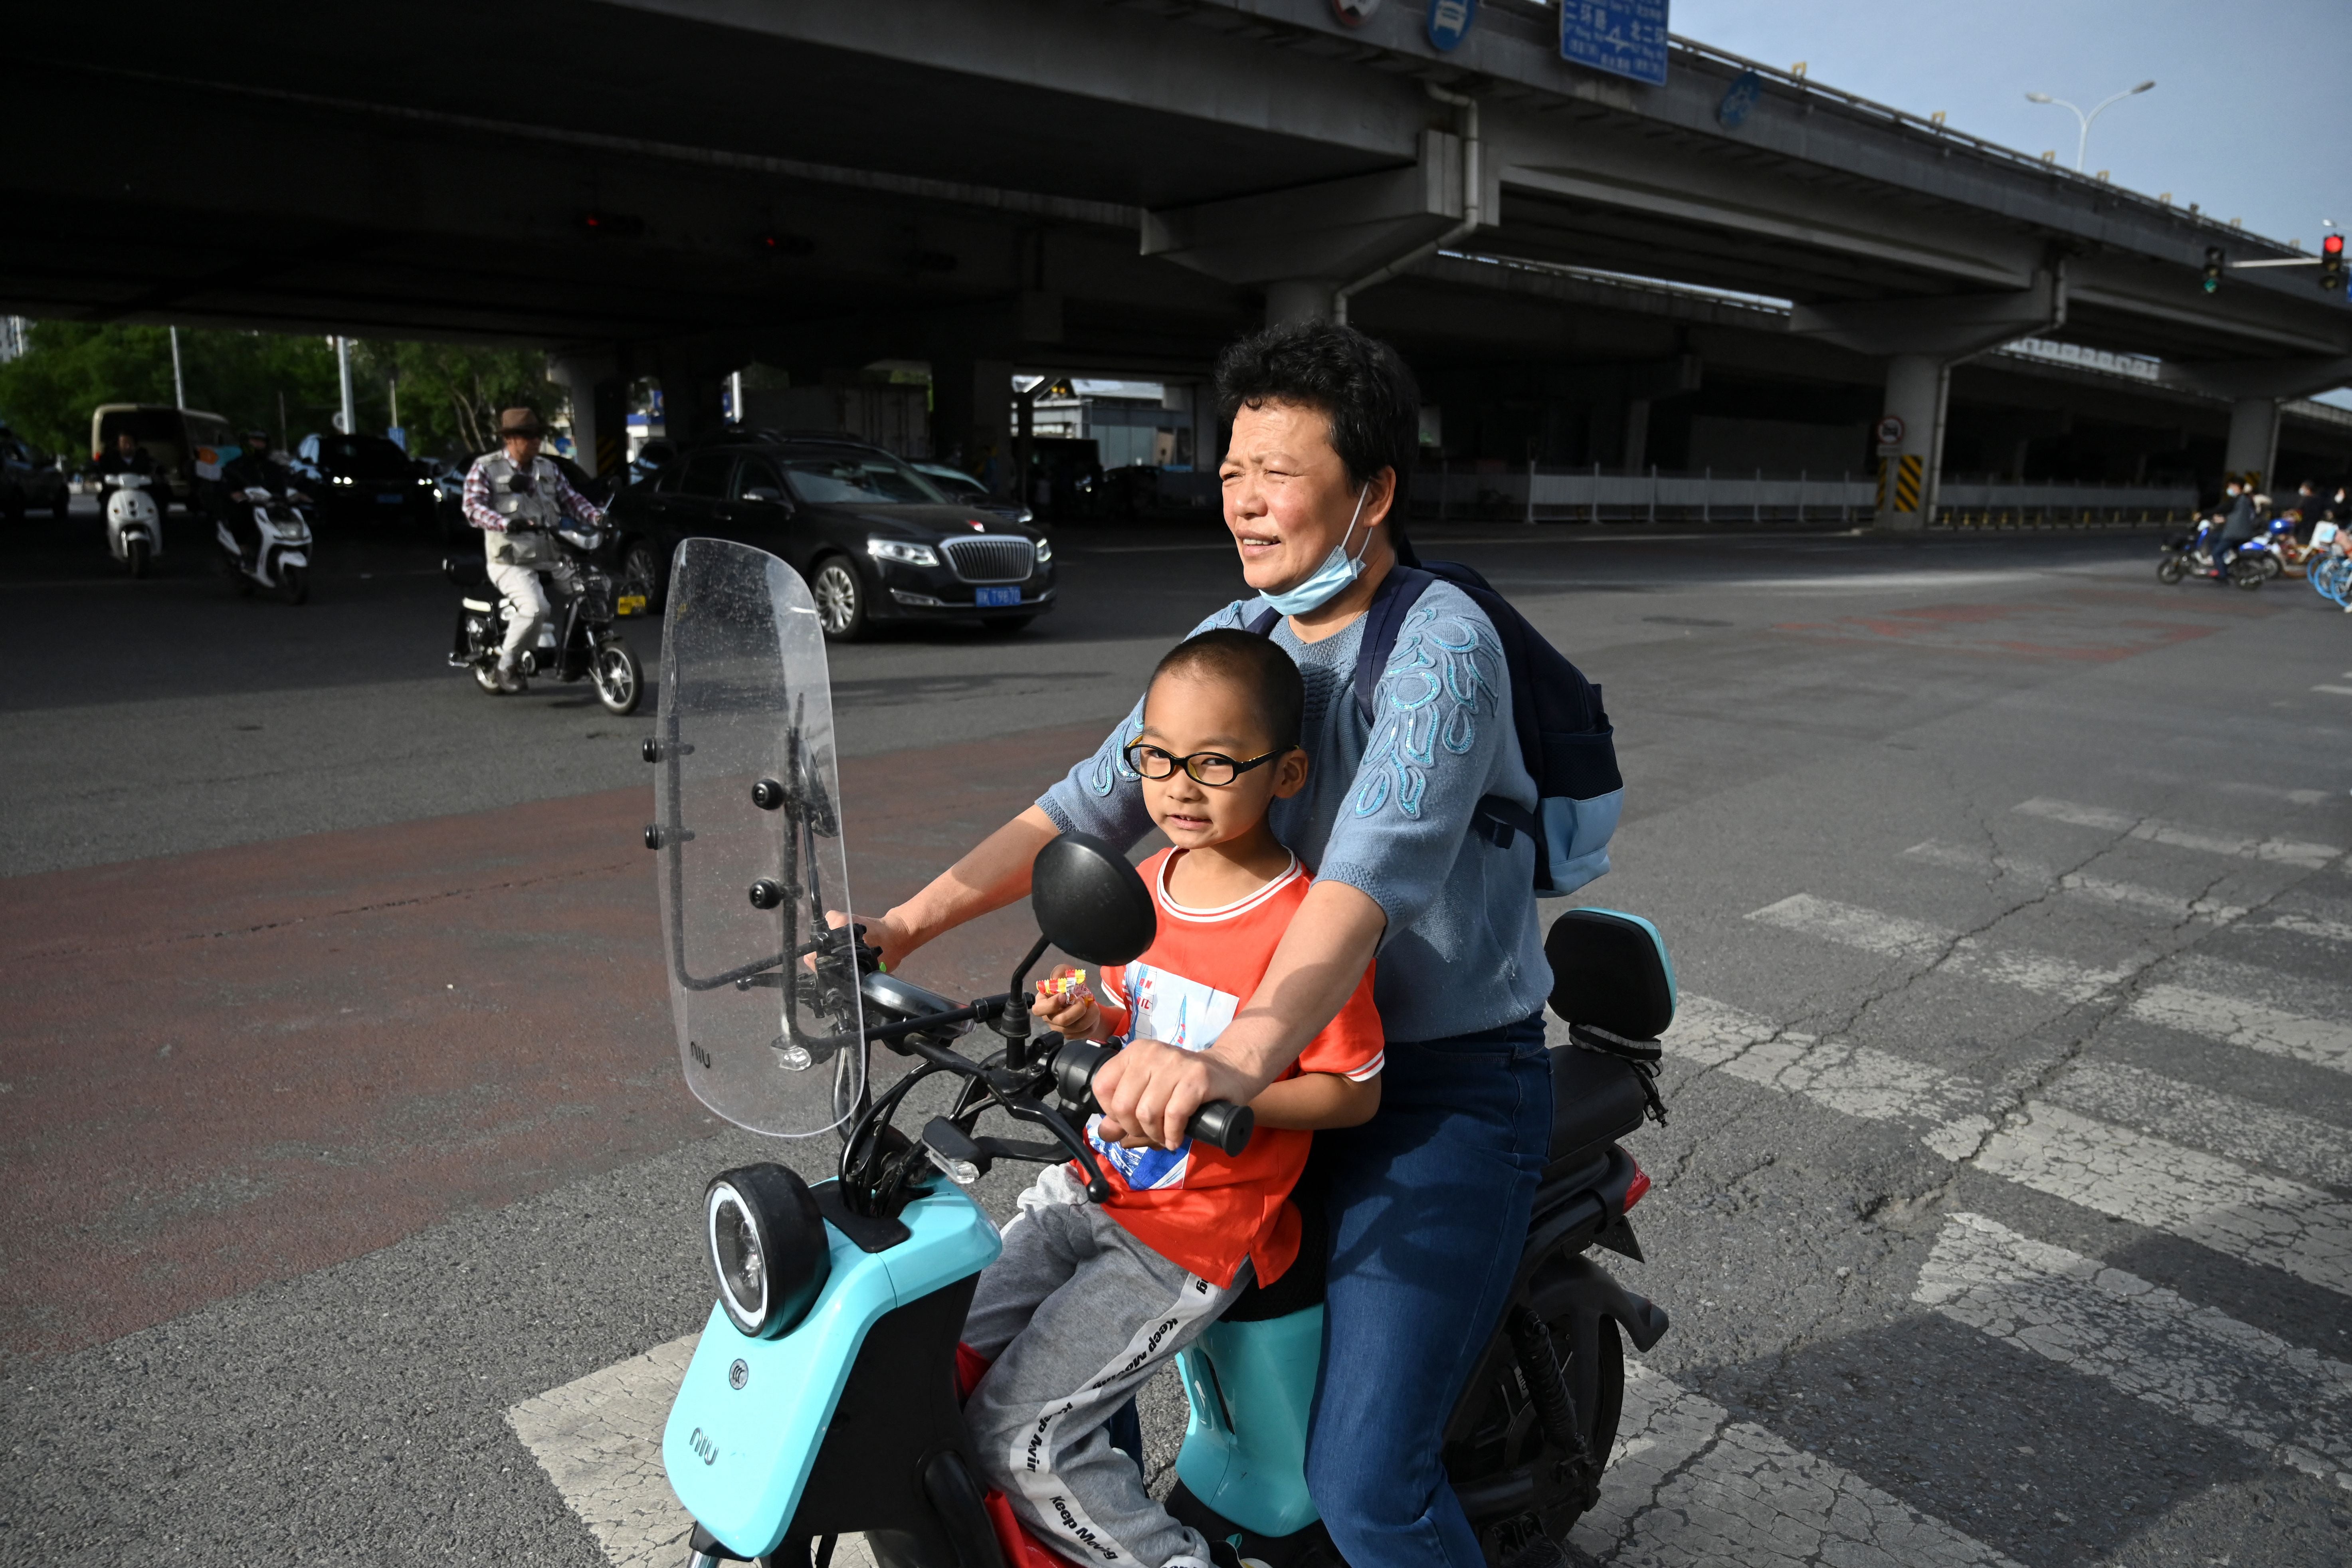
(1089,1301)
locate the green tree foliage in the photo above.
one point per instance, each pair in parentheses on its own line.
(449,395)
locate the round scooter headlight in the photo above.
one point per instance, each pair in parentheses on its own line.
(768,1247)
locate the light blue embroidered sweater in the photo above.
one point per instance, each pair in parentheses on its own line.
(1387,810)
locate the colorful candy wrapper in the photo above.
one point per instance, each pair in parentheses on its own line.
(1064,982)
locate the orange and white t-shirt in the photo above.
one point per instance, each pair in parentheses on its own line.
(1197,1206)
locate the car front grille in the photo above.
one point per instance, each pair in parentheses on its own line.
(991,558)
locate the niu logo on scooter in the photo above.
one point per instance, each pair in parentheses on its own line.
(703,1446)
(699,1055)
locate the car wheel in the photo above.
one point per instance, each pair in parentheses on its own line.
(15,506)
(63,505)
(641,572)
(840,597)
(1006,625)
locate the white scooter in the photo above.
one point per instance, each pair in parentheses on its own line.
(282,560)
(134,522)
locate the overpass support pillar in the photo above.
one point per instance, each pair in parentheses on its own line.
(1303,246)
(2253,439)
(1917,387)
(2253,388)
(599,408)
(1922,340)
(971,417)
(1297,299)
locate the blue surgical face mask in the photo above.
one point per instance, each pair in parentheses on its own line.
(1329,580)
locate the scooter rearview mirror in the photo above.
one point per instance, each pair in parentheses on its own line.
(1089,901)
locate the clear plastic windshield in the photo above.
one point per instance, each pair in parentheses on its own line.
(748,830)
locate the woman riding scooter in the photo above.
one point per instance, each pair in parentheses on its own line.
(1427,1204)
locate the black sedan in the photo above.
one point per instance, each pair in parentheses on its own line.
(360,479)
(875,541)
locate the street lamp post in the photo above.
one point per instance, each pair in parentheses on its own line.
(2083,143)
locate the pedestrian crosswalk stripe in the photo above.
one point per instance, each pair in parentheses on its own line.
(2251,1026)
(2335,690)
(2199,1118)
(2218,1203)
(2287,851)
(2287,1404)
(2216,1199)
(2128,895)
(1687,1484)
(2308,925)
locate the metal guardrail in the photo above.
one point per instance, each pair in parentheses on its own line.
(1534,493)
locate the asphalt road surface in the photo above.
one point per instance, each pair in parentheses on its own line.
(351,1186)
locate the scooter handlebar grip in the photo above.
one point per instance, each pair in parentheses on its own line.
(1226,1125)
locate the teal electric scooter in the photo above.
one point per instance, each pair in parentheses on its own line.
(822,1397)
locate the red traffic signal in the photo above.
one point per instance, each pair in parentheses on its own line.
(2331,265)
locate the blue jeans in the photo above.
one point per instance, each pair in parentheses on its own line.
(1428,1205)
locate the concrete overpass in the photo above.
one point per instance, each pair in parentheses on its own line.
(674,188)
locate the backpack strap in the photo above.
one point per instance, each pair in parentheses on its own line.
(1395,598)
(1496,820)
(1262,624)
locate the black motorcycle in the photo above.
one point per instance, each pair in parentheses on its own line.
(578,640)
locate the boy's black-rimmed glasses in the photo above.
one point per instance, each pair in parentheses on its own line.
(1212,768)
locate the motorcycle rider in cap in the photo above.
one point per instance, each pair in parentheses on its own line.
(252,469)
(516,498)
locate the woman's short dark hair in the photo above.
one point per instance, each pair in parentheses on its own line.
(1270,676)
(1359,382)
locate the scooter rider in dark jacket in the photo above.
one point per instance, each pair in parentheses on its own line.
(252,471)
(130,458)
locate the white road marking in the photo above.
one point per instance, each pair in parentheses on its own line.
(2287,852)
(2251,1026)
(2128,895)
(2215,1203)
(599,1441)
(1686,1485)
(2214,1199)
(2200,1118)
(2307,925)
(2270,792)
(2287,1404)
(2335,690)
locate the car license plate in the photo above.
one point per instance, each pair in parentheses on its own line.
(995,598)
(629,604)
(394,498)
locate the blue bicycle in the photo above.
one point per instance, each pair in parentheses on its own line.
(821,1398)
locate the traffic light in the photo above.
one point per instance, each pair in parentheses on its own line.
(2213,264)
(2331,265)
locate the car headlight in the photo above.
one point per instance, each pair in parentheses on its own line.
(768,1247)
(900,550)
(1045,551)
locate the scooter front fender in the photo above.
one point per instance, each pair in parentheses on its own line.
(751,1414)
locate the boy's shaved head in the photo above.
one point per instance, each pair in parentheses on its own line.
(1254,664)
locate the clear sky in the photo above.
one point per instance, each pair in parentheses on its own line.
(2251,117)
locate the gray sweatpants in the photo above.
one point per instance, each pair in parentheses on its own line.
(1078,1314)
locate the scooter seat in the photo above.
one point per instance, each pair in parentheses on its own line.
(1301,1285)
(1596,1100)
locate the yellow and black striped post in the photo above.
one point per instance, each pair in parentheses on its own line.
(1898,485)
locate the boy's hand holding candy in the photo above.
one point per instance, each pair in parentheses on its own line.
(1067,1005)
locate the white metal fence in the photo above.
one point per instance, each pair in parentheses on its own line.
(1532,493)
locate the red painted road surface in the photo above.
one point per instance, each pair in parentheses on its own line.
(235,1066)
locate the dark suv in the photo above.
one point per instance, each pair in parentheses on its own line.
(874,540)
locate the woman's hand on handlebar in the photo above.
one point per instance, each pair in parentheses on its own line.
(882,932)
(1150,1089)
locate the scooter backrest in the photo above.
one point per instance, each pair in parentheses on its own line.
(1611,971)
(1089,901)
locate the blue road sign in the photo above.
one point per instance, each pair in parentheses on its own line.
(1739,99)
(1450,22)
(1624,38)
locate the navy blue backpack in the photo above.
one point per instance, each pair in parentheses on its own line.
(1564,734)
